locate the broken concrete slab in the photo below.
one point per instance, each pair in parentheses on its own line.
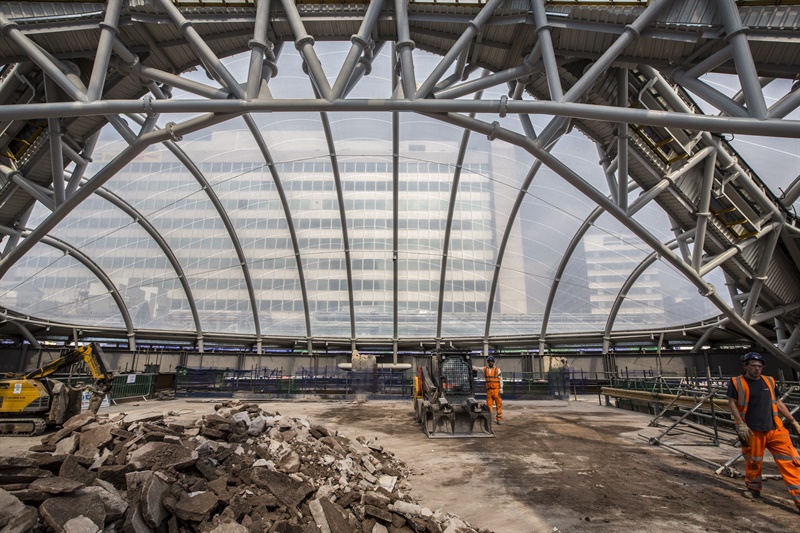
(154,491)
(162,456)
(59,510)
(15,515)
(56,485)
(196,507)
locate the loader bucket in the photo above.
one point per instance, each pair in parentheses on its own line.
(456,421)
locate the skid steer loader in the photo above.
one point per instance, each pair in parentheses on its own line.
(444,400)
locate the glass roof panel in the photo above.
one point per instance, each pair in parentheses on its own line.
(235,179)
(662,297)
(50,285)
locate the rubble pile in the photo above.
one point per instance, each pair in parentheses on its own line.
(238,470)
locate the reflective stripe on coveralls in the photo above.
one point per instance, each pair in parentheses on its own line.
(776,441)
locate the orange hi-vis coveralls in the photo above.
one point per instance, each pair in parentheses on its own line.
(492,376)
(776,441)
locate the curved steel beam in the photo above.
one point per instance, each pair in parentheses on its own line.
(142,220)
(337,181)
(88,263)
(205,186)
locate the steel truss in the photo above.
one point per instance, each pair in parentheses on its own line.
(628,97)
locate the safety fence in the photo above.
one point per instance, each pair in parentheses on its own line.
(382,383)
(124,386)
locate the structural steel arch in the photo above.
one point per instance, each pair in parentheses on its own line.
(607,70)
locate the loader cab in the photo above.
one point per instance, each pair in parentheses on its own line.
(456,372)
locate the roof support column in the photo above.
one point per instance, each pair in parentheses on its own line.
(56,154)
(305,45)
(42,59)
(259,47)
(745,66)
(404,47)
(792,341)
(360,42)
(108,32)
(632,32)
(204,52)
(703,212)
(548,54)
(404,65)
(622,141)
(463,42)
(764,258)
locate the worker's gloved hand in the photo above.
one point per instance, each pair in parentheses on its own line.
(796,426)
(744,433)
(501,391)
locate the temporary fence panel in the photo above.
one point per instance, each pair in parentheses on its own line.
(133,386)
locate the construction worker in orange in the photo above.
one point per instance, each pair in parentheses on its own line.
(755,406)
(494,387)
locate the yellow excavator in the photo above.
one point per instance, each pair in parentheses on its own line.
(31,402)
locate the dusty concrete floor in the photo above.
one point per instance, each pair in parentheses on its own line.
(553,466)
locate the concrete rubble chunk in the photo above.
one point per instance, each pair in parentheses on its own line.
(56,485)
(59,510)
(68,445)
(14,515)
(154,491)
(288,490)
(22,475)
(335,517)
(80,524)
(70,426)
(71,469)
(162,456)
(196,507)
(115,505)
(230,527)
(93,440)
(17,462)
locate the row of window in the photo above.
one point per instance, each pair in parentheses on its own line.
(308,167)
(334,306)
(310,245)
(320,285)
(204,265)
(163,224)
(328,285)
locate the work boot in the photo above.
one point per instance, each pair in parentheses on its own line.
(499,422)
(752,495)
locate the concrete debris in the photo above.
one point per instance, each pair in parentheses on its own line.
(239,470)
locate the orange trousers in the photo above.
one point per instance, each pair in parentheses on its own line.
(492,397)
(786,458)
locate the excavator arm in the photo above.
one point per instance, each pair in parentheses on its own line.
(90,354)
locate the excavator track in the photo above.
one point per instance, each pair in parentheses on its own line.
(21,427)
